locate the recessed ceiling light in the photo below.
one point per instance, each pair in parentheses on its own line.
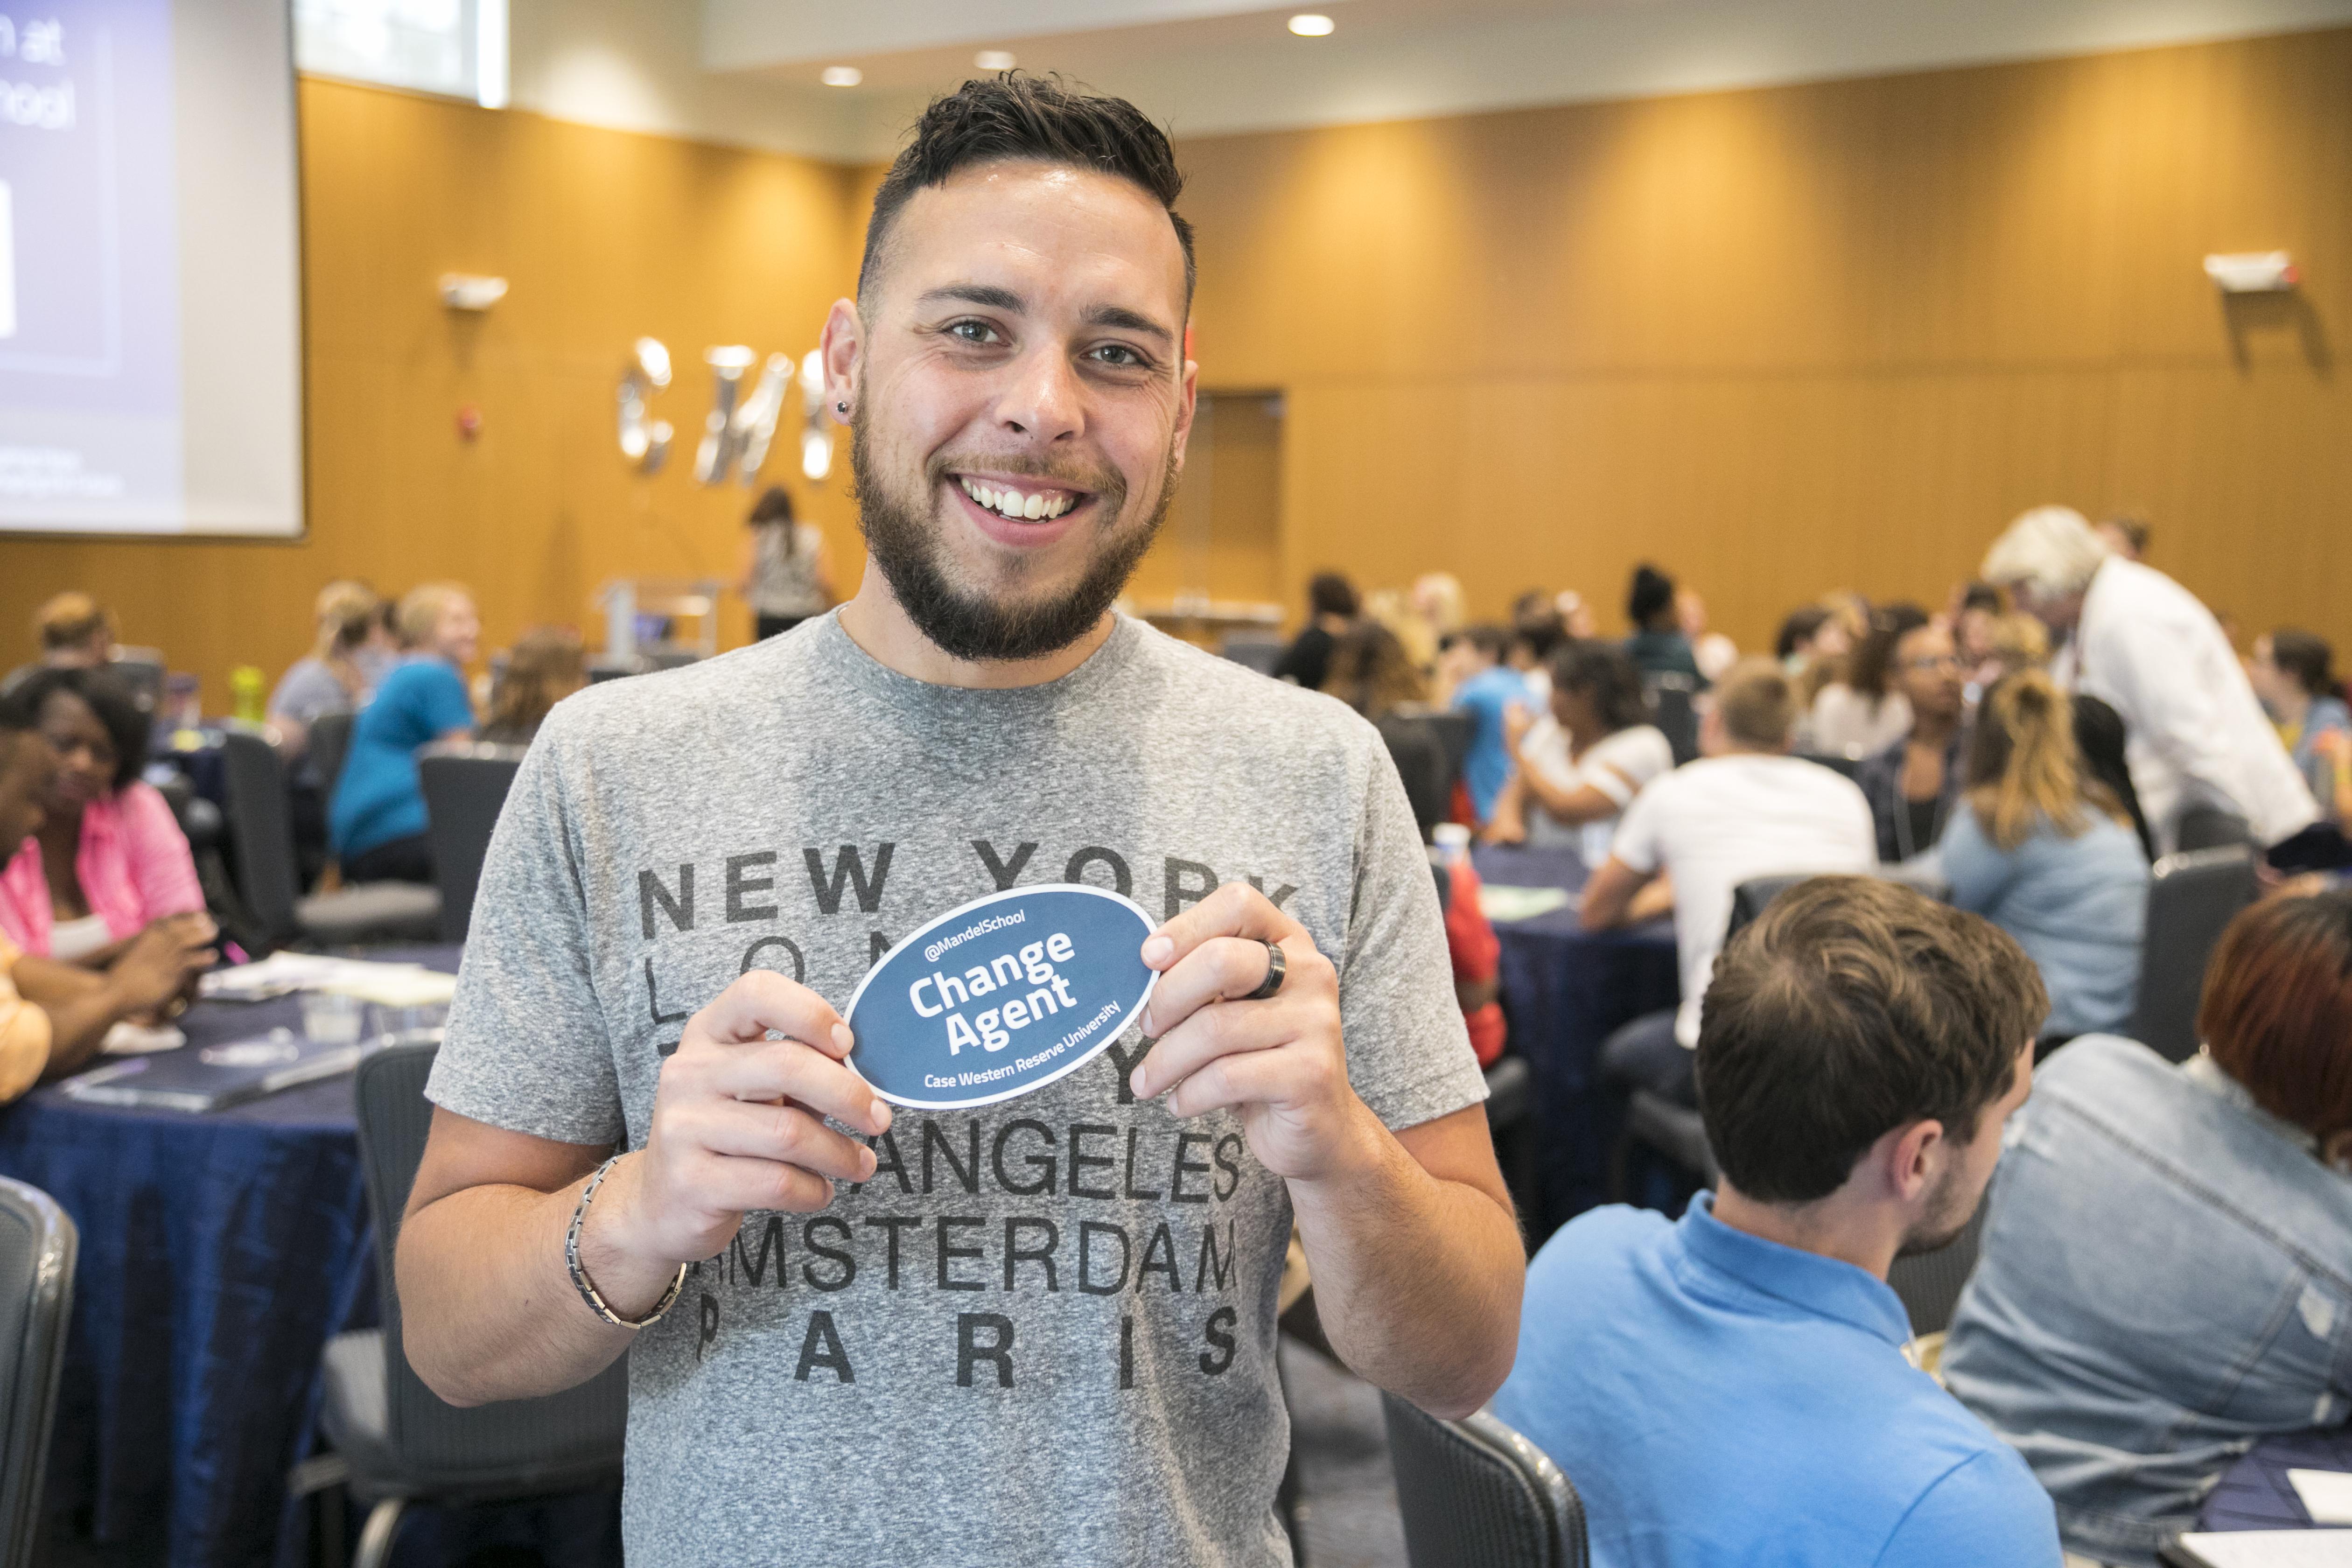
(842,76)
(1311,25)
(994,60)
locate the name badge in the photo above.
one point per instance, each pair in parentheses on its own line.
(1000,996)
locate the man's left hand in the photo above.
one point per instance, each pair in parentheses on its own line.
(1279,1062)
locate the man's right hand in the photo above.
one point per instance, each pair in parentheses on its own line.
(739,1123)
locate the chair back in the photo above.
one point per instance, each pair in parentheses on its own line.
(2190,898)
(1474,1493)
(37,1244)
(2211,827)
(261,833)
(1252,650)
(529,1446)
(1930,1283)
(141,670)
(465,786)
(1670,699)
(1748,899)
(1844,767)
(1420,758)
(1455,732)
(330,747)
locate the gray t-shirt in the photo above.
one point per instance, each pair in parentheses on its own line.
(1044,1330)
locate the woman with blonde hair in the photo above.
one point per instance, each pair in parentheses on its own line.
(2046,852)
(378,810)
(545,666)
(331,675)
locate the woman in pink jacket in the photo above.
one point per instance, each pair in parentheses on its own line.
(110,859)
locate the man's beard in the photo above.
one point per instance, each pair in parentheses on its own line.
(1944,1220)
(903,538)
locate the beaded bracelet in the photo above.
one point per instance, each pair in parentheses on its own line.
(587,1288)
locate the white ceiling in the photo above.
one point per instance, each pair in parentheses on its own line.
(749,72)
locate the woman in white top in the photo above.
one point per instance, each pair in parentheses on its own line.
(1575,768)
(785,574)
(1861,714)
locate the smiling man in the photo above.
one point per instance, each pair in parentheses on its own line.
(1041,1329)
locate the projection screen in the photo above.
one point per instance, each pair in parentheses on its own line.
(151,365)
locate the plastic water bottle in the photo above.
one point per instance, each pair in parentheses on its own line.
(248,692)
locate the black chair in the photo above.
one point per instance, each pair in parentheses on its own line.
(1847,767)
(140,669)
(1476,1494)
(2211,827)
(1748,899)
(2190,898)
(1252,650)
(1930,1283)
(463,789)
(1455,732)
(330,747)
(399,1443)
(261,837)
(1672,701)
(37,1245)
(1419,753)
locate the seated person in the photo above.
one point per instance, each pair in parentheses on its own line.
(1576,768)
(1744,809)
(1913,784)
(2046,852)
(2292,672)
(377,816)
(1713,652)
(1483,685)
(1657,646)
(2164,1276)
(1331,609)
(1808,636)
(54,1016)
(1860,709)
(330,677)
(545,666)
(1732,1388)
(110,859)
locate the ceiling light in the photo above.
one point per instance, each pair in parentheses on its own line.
(1311,25)
(994,60)
(842,76)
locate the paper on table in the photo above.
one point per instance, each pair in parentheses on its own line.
(1498,902)
(128,1039)
(2271,1549)
(2326,1495)
(391,984)
(394,986)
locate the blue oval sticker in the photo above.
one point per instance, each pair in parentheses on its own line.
(1001,996)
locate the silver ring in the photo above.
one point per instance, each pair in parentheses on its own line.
(1277,966)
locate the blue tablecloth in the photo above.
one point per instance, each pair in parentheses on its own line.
(2255,1493)
(1564,990)
(218,1253)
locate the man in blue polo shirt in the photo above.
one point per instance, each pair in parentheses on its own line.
(1486,689)
(1732,1388)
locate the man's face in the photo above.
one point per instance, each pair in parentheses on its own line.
(1967,1167)
(26,767)
(1927,671)
(1021,400)
(2059,612)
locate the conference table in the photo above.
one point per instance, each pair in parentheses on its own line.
(219,1252)
(1564,990)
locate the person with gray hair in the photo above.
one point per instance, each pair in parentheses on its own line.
(2146,646)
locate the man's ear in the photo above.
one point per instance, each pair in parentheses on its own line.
(843,350)
(1912,1156)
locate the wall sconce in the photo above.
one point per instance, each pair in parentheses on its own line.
(465,291)
(645,440)
(2252,272)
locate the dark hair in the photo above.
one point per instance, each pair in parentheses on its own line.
(1873,661)
(1798,625)
(1984,597)
(1372,672)
(1652,595)
(1014,116)
(1606,676)
(108,699)
(1852,1007)
(2100,738)
(2277,1013)
(1487,636)
(1330,594)
(2135,531)
(774,505)
(2307,656)
(1543,630)
(17,715)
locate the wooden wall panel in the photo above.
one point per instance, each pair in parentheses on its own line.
(604,235)
(1810,337)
